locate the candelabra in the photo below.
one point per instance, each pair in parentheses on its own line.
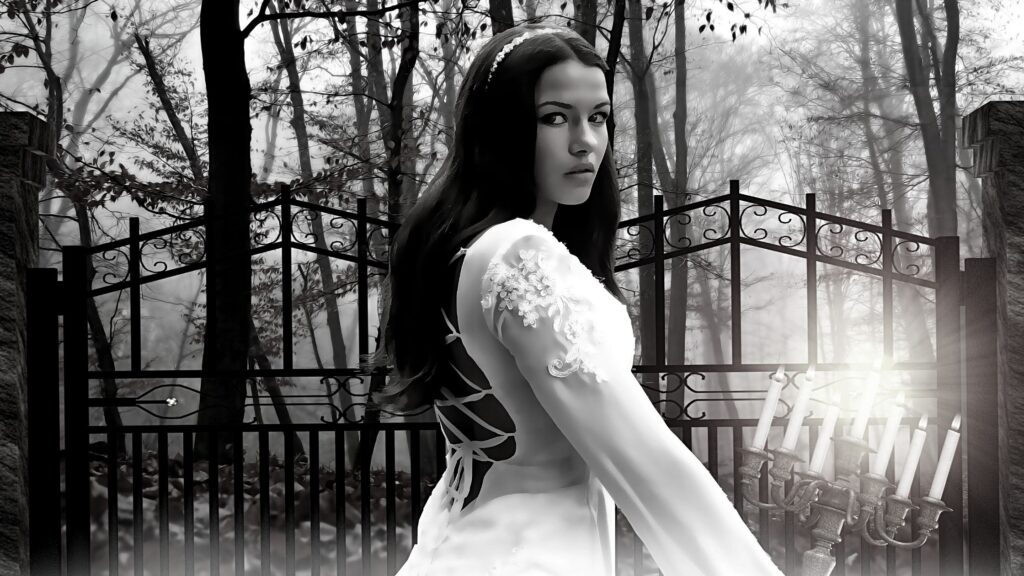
(825,507)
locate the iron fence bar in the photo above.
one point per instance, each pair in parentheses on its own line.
(340,510)
(765,515)
(289,504)
(213,479)
(162,490)
(427,426)
(361,242)
(254,372)
(76,416)
(314,502)
(713,452)
(286,277)
(659,278)
(866,226)
(146,237)
(155,277)
(833,261)
(840,553)
(735,272)
(264,460)
(890,552)
(793,556)
(389,497)
(887,287)
(138,543)
(342,213)
(370,263)
(112,517)
(364,517)
(812,279)
(414,472)
(189,503)
(747,368)
(867,553)
(43,364)
(670,254)
(981,411)
(238,469)
(948,330)
(915,554)
(737,489)
(134,293)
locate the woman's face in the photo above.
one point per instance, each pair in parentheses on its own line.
(572,108)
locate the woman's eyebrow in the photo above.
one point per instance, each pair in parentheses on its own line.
(569,106)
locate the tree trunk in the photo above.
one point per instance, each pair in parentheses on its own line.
(270,383)
(360,87)
(612,62)
(226,209)
(394,123)
(501,15)
(100,341)
(270,134)
(586,20)
(645,196)
(678,195)
(339,354)
(938,130)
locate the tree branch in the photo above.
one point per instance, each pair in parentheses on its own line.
(264,17)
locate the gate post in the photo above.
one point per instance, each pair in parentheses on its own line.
(23,148)
(76,411)
(43,422)
(981,408)
(996,132)
(948,332)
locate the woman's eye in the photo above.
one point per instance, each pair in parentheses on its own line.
(550,119)
(557,118)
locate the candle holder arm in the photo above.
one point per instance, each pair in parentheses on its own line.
(750,473)
(894,518)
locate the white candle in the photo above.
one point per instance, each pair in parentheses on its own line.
(880,462)
(824,438)
(945,460)
(867,400)
(796,417)
(910,466)
(764,422)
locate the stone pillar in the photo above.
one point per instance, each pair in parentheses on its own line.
(996,132)
(23,144)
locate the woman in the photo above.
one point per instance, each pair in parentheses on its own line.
(497,319)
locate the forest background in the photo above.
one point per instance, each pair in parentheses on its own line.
(169,110)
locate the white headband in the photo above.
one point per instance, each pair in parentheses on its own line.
(512,45)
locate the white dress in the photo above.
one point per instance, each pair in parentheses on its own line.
(550,430)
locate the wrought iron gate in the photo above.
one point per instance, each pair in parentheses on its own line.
(161,501)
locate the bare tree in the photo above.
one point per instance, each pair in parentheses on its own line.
(931,62)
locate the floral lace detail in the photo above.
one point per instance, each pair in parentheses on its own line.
(533,285)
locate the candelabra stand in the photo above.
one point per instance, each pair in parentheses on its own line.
(826,507)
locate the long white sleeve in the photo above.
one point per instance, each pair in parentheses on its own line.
(543,305)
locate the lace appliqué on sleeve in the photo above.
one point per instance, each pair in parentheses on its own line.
(533,287)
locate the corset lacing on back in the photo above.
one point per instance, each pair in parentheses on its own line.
(458,475)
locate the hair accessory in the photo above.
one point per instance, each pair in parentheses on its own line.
(512,45)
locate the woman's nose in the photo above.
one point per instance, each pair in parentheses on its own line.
(584,138)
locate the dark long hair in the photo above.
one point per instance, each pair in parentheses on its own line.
(487,178)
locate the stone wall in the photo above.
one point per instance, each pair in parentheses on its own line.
(23,143)
(996,131)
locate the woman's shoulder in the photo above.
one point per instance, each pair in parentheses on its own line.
(514,233)
(524,231)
